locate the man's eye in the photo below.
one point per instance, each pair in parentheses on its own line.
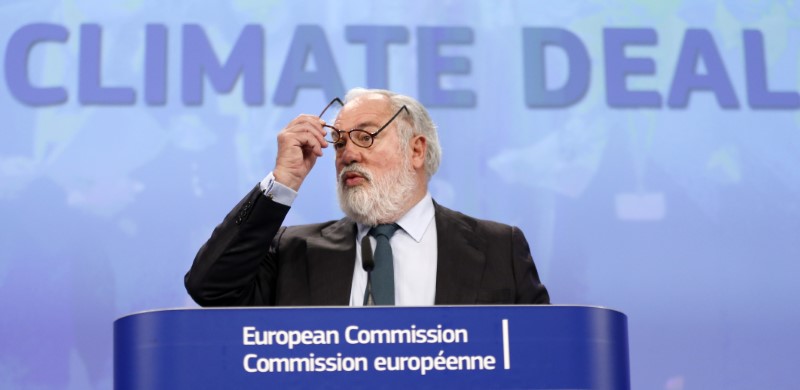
(364,138)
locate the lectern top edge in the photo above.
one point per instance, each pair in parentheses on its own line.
(356,308)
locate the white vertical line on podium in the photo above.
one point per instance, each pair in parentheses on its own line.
(506,354)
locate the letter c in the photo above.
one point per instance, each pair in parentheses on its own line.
(246,362)
(16,64)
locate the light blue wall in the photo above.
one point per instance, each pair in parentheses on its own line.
(686,218)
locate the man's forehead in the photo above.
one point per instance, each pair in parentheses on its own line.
(365,108)
(369,102)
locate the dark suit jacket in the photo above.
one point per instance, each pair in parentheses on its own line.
(479,262)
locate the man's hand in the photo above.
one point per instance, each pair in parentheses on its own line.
(299,145)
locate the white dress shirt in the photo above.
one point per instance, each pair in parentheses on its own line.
(414,250)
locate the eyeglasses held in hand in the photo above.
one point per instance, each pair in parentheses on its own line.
(359,137)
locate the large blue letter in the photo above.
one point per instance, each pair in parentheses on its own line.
(16,64)
(90,90)
(698,44)
(534,42)
(246,58)
(431,65)
(618,67)
(758,93)
(308,41)
(155,64)
(377,39)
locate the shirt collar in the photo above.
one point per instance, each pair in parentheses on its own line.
(414,222)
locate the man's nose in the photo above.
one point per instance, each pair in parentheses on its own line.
(350,153)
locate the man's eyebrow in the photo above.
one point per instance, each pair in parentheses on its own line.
(366,124)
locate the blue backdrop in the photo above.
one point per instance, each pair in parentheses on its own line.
(649,150)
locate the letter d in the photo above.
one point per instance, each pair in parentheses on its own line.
(534,41)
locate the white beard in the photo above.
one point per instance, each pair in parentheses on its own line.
(381,199)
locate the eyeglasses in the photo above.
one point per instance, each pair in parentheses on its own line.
(359,137)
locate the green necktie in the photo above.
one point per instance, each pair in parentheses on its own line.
(383,274)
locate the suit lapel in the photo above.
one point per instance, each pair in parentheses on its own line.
(331,258)
(460,265)
(461,258)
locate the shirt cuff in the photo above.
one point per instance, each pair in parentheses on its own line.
(278,192)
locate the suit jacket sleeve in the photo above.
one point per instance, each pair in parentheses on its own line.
(236,266)
(530,289)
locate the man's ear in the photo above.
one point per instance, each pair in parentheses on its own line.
(419,145)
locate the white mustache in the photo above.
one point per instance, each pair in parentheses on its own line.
(366,174)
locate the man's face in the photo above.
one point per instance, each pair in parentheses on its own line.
(375,184)
(369,113)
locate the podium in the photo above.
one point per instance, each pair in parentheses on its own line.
(481,347)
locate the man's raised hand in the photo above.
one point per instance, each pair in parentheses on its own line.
(299,145)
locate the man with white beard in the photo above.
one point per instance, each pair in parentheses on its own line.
(396,246)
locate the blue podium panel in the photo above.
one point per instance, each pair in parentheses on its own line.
(530,347)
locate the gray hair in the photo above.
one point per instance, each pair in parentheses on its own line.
(420,123)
